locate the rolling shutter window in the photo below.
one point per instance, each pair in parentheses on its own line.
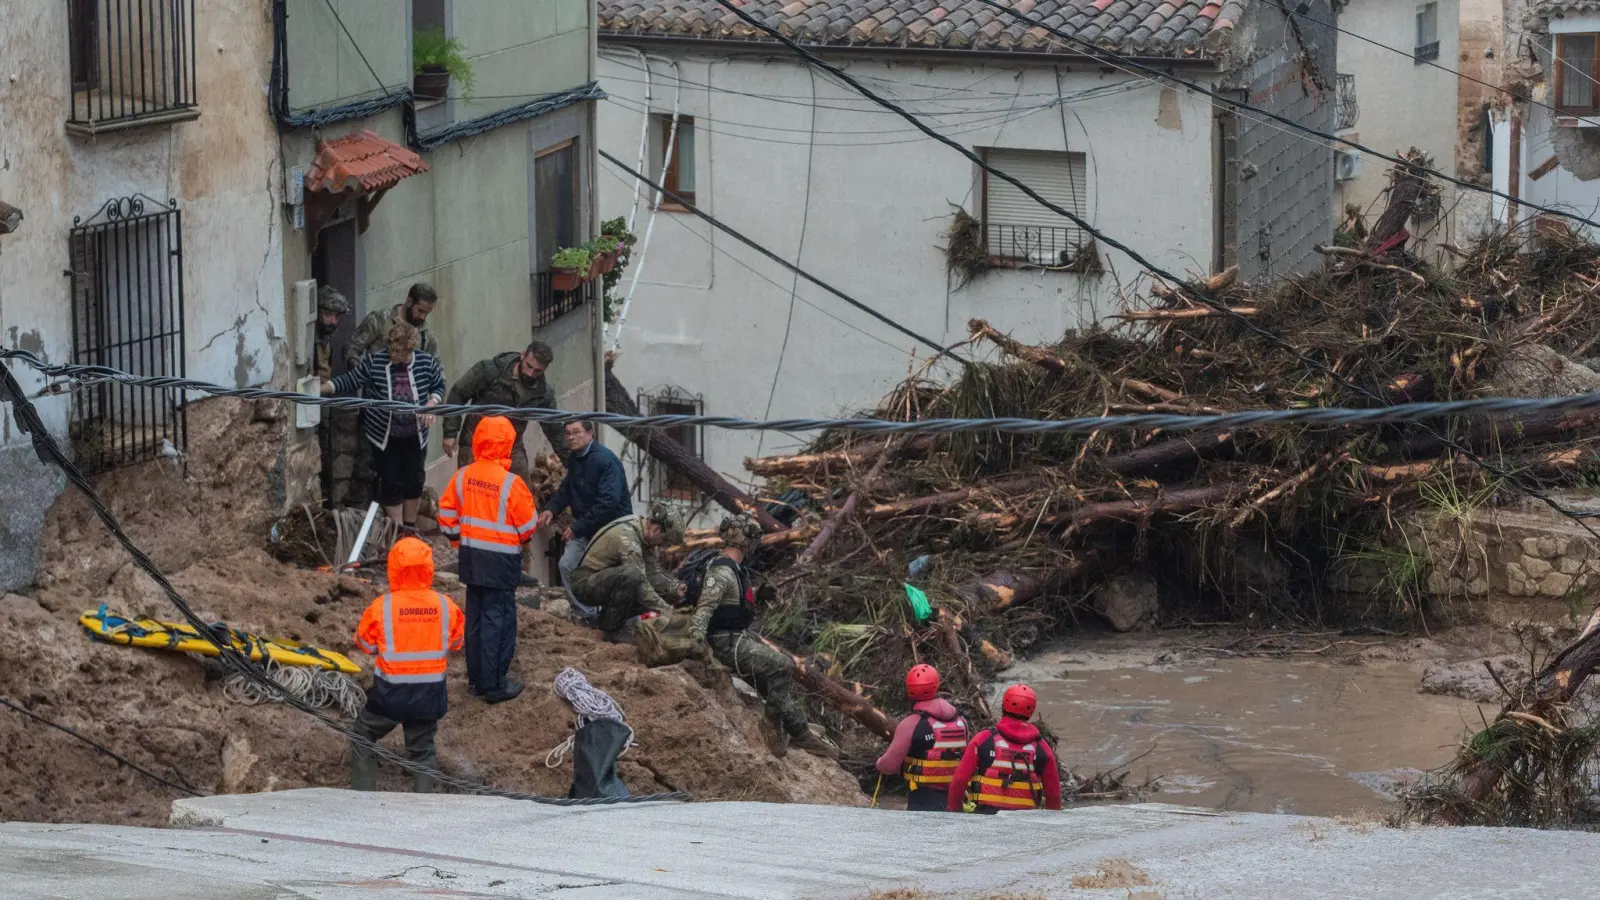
(1016,226)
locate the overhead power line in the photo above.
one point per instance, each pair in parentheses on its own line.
(1330,416)
(102,748)
(1094,51)
(1190,289)
(726,229)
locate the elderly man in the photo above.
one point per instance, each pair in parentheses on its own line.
(331,307)
(595,489)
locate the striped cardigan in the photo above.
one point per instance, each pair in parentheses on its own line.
(372,379)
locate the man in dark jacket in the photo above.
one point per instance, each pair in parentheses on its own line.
(595,489)
(508,379)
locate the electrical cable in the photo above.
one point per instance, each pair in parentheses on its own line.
(1327,416)
(49,452)
(678,220)
(15,707)
(359,52)
(1188,288)
(1411,54)
(728,230)
(1094,51)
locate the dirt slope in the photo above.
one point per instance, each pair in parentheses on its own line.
(161,710)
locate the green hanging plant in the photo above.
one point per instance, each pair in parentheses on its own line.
(433,51)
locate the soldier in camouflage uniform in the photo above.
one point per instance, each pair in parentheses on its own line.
(620,575)
(374,329)
(722,620)
(508,379)
(331,307)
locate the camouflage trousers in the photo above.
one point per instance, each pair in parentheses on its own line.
(769,671)
(619,593)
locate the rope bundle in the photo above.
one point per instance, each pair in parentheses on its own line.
(591,704)
(320,688)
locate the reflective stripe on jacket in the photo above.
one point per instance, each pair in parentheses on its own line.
(1011,781)
(410,630)
(488,512)
(935,752)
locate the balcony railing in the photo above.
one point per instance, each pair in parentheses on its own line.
(132,62)
(1348,109)
(1036,244)
(550,304)
(1427,52)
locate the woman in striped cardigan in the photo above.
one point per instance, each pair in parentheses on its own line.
(399,440)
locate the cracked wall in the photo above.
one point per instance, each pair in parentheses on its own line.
(221,168)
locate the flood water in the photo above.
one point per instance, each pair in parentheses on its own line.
(1255,735)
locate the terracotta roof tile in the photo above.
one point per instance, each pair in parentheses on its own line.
(361,163)
(1148,27)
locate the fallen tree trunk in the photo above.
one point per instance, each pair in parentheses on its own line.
(843,514)
(1189,448)
(676,457)
(1500,432)
(950,498)
(1040,357)
(1176,315)
(1005,588)
(849,700)
(809,463)
(1134,510)
(701,539)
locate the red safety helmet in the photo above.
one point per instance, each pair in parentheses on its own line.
(1019,701)
(922,682)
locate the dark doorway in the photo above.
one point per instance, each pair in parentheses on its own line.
(334,262)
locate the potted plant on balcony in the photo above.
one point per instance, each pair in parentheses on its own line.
(606,248)
(435,59)
(570,267)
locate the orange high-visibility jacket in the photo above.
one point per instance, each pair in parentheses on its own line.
(486,511)
(411,629)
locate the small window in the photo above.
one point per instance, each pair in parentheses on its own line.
(1427,32)
(1016,227)
(1576,73)
(680,164)
(131,62)
(666,483)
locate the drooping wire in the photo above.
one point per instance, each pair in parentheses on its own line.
(49,452)
(19,708)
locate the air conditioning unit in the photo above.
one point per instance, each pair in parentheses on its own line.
(1346,165)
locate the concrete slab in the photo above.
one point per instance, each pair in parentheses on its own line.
(325,843)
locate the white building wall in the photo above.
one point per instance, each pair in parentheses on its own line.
(856,197)
(1404,103)
(221,168)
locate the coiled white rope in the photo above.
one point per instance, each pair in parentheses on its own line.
(321,688)
(591,704)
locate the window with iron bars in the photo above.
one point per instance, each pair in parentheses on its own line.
(1017,230)
(126,267)
(1348,110)
(132,63)
(664,482)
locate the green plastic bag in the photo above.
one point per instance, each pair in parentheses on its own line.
(919,602)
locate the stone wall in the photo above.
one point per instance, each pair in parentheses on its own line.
(1514,554)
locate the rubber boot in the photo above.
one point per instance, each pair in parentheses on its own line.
(422,783)
(815,744)
(363,772)
(777,742)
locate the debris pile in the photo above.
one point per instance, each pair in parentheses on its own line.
(1013,537)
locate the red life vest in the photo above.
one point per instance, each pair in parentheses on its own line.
(936,748)
(1011,781)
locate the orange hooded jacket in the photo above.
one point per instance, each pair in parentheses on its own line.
(410,630)
(487,512)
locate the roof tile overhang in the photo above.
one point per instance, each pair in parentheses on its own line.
(361,163)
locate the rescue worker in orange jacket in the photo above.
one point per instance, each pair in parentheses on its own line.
(928,744)
(488,514)
(410,630)
(1009,766)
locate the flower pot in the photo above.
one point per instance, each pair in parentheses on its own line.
(566,279)
(432,83)
(608,261)
(595,267)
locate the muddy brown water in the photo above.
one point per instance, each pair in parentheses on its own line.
(1255,735)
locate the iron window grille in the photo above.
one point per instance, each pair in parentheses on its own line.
(132,62)
(664,483)
(1349,110)
(1016,229)
(126,267)
(550,304)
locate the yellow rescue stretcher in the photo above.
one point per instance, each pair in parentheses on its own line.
(115,629)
